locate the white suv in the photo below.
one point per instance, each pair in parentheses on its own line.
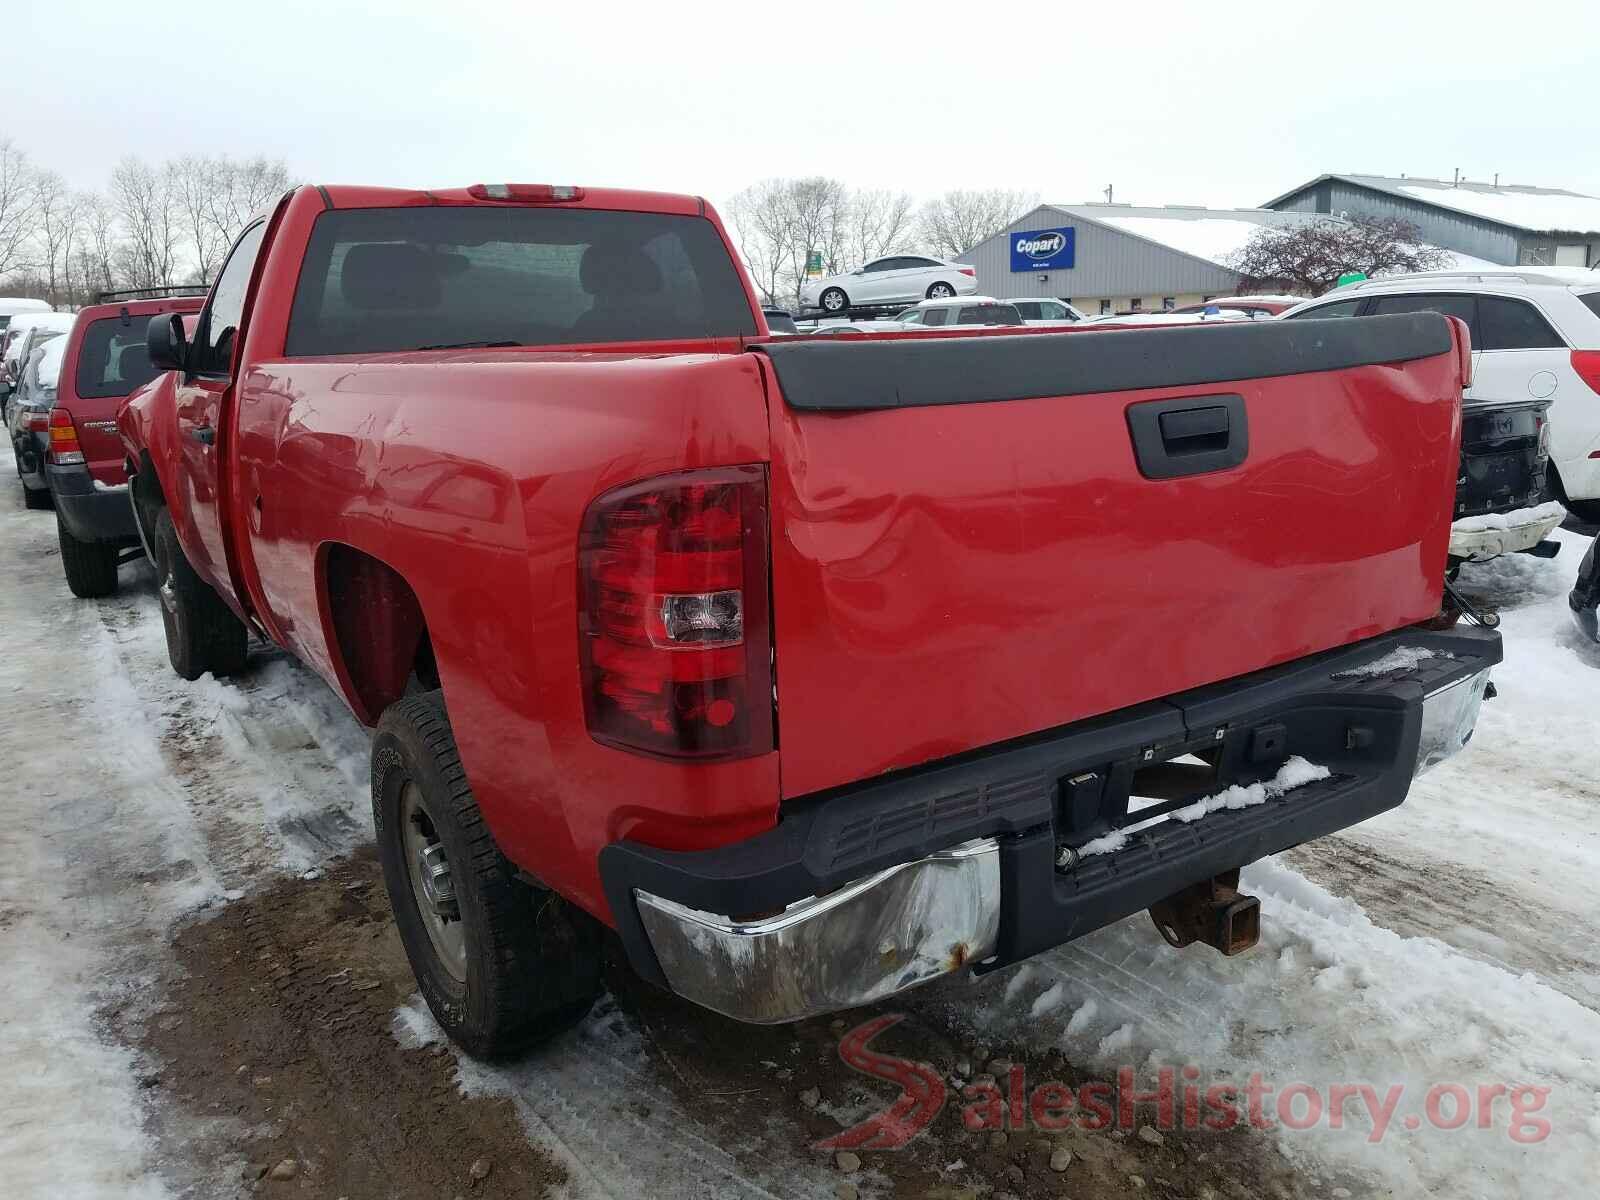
(1535,335)
(949,314)
(1046,310)
(897,279)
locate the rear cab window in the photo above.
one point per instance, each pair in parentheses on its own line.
(112,360)
(400,279)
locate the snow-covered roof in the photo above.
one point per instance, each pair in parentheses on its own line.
(1213,234)
(50,361)
(1521,206)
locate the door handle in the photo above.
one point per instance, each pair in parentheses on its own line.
(1190,429)
(206,435)
(1188,435)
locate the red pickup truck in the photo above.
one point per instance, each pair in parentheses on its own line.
(815,669)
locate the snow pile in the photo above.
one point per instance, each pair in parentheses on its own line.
(1550,511)
(1401,658)
(1296,772)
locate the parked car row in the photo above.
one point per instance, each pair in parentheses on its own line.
(75,372)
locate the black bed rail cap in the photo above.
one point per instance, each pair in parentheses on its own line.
(853,374)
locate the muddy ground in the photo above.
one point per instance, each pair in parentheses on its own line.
(274,1041)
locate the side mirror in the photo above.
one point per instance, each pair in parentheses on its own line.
(859,271)
(165,342)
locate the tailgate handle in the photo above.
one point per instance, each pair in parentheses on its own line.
(1188,435)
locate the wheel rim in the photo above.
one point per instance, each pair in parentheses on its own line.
(833,302)
(432,888)
(941,291)
(168,587)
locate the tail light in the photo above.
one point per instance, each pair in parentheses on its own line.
(64,448)
(1463,349)
(674,632)
(528,193)
(973,271)
(38,421)
(1587,364)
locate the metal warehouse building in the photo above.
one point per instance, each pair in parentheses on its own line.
(1105,258)
(1513,225)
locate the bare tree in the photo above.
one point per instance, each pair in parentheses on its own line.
(781,223)
(1310,257)
(17,199)
(957,221)
(244,188)
(878,223)
(97,247)
(760,219)
(55,223)
(195,182)
(150,223)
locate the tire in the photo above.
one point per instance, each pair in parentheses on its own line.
(35,497)
(834,300)
(202,634)
(515,964)
(1587,511)
(90,567)
(940,290)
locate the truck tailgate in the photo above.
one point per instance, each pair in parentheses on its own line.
(976,539)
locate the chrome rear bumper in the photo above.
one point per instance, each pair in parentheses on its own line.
(867,940)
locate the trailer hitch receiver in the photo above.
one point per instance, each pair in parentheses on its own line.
(1212,911)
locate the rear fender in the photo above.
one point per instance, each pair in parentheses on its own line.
(148,425)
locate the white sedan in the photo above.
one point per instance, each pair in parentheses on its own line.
(897,279)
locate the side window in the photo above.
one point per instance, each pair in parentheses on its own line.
(1592,302)
(1032,310)
(1344,308)
(883,264)
(914,317)
(1465,307)
(935,316)
(213,351)
(914,261)
(1505,324)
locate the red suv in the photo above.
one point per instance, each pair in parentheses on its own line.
(105,359)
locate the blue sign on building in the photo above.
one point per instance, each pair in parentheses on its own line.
(1042,250)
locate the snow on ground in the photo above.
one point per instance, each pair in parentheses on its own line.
(118,823)
(1466,956)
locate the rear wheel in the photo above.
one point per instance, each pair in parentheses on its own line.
(940,290)
(501,964)
(1587,511)
(90,567)
(834,300)
(202,634)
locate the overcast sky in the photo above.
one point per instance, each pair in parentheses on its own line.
(1223,103)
